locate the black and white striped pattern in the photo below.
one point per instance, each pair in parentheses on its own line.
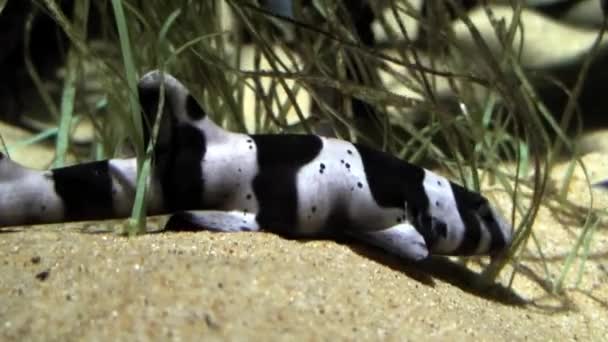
(293,185)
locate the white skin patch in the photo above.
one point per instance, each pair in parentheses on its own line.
(336,177)
(229,168)
(442,206)
(27,195)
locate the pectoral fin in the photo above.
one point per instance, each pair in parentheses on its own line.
(218,221)
(402,240)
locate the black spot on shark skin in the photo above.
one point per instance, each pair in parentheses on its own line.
(194,110)
(248,196)
(359,185)
(468,203)
(313,209)
(280,157)
(85,190)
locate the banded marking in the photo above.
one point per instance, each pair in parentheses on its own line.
(279,159)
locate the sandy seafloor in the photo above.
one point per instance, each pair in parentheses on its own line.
(62,282)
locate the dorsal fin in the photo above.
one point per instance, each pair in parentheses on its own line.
(180,108)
